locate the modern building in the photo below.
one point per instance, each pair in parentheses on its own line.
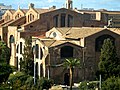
(59,34)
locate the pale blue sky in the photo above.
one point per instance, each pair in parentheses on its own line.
(96,4)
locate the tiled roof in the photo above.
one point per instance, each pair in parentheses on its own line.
(12,11)
(63,30)
(48,43)
(56,43)
(38,10)
(18,21)
(25,10)
(75,33)
(80,32)
(6,23)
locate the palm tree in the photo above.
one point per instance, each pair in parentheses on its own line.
(71,63)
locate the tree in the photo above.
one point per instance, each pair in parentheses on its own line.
(109,64)
(5,68)
(27,64)
(4,53)
(71,63)
(112,83)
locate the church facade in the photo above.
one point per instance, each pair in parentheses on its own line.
(59,34)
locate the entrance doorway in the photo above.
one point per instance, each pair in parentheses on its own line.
(66,79)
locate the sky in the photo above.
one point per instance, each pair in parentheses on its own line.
(113,5)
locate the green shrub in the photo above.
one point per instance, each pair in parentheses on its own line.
(5,70)
(44,83)
(17,80)
(88,85)
(111,84)
(83,85)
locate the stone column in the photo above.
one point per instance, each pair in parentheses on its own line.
(66,20)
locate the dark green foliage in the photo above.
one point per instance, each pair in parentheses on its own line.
(4,86)
(112,83)
(83,85)
(4,53)
(109,64)
(29,83)
(88,85)
(5,68)
(17,80)
(21,81)
(27,64)
(44,83)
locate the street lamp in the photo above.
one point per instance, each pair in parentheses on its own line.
(34,52)
(48,66)
(84,62)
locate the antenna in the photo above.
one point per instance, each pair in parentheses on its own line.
(81,6)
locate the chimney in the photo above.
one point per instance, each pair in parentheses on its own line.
(52,8)
(31,5)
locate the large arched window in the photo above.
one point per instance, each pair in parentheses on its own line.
(66,52)
(100,40)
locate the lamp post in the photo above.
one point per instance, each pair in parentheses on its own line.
(84,62)
(100,82)
(34,52)
(48,66)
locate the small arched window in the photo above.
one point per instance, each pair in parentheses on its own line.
(11,39)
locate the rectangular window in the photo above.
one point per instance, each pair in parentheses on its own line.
(55,21)
(63,20)
(70,21)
